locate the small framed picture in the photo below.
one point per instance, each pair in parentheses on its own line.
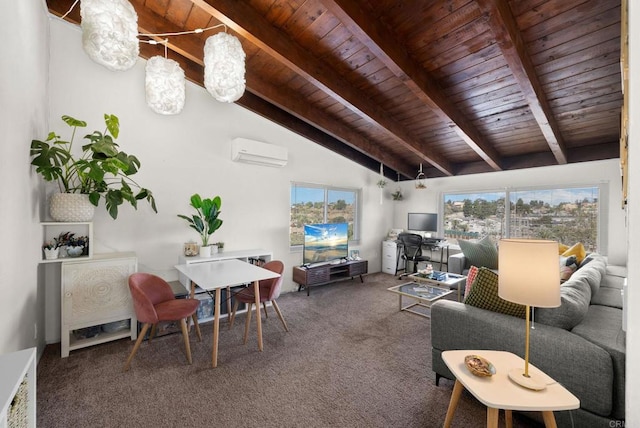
(354,255)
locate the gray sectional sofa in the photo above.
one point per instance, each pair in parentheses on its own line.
(581,344)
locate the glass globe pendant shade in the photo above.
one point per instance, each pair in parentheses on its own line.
(110,33)
(224,67)
(164,85)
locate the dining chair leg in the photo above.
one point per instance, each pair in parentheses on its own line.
(233,313)
(194,317)
(145,327)
(248,320)
(153,332)
(185,335)
(277,308)
(264,304)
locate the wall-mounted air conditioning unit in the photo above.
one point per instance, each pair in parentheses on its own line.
(258,153)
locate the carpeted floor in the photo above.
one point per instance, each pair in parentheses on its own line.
(351,359)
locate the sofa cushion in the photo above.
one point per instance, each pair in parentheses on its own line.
(575,295)
(608,296)
(593,271)
(482,253)
(484,295)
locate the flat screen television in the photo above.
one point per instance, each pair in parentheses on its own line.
(325,242)
(422,222)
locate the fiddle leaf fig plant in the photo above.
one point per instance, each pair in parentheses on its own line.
(100,171)
(206,220)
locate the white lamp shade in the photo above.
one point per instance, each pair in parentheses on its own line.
(110,33)
(529,272)
(164,85)
(224,67)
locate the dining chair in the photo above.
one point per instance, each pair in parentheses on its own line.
(269,292)
(154,301)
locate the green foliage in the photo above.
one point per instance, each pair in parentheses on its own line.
(206,220)
(102,170)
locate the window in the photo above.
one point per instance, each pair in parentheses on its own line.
(322,204)
(566,215)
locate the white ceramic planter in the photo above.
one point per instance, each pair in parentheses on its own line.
(71,207)
(205,251)
(51,253)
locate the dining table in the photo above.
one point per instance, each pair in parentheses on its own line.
(214,276)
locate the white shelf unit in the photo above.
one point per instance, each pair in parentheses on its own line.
(245,255)
(16,368)
(94,293)
(53,229)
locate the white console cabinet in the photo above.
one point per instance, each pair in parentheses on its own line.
(18,389)
(96,304)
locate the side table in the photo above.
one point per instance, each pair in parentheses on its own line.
(499,392)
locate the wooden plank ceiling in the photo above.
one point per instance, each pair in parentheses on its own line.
(461,86)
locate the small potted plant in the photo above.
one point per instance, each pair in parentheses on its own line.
(220,246)
(51,249)
(381,183)
(101,171)
(205,221)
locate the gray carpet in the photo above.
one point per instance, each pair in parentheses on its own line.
(351,359)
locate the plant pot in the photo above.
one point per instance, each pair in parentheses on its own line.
(191,249)
(214,249)
(71,207)
(205,251)
(51,253)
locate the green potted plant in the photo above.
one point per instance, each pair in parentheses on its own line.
(100,171)
(205,221)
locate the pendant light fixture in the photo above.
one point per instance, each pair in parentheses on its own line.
(164,85)
(224,67)
(420,178)
(110,33)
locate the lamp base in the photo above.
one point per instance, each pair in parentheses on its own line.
(533,382)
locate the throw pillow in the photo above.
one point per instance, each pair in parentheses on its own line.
(471,276)
(562,248)
(482,253)
(568,265)
(576,250)
(484,295)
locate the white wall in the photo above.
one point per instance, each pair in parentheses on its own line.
(589,173)
(189,153)
(633,220)
(23,103)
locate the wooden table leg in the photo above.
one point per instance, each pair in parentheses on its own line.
(453,403)
(508,418)
(216,329)
(256,291)
(549,419)
(492,417)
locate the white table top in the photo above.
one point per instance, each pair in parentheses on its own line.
(225,273)
(499,392)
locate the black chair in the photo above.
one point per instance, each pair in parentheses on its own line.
(412,252)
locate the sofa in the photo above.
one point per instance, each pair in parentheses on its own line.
(580,344)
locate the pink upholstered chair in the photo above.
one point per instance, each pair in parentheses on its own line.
(154,301)
(269,292)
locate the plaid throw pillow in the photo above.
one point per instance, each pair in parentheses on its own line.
(484,295)
(471,276)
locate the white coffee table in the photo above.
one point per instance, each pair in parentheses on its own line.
(499,392)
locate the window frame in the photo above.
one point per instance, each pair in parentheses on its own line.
(355,239)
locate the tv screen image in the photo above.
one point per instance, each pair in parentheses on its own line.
(324,242)
(423,222)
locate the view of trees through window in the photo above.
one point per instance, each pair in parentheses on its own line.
(311,205)
(567,215)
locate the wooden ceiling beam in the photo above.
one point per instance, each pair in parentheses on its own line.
(382,43)
(243,19)
(508,37)
(188,53)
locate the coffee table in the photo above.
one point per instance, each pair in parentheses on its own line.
(499,392)
(448,280)
(423,294)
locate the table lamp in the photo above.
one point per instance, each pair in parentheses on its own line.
(529,275)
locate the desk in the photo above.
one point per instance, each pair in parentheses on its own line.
(499,392)
(222,274)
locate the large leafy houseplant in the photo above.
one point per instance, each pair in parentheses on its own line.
(206,220)
(101,170)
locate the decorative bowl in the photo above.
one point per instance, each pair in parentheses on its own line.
(479,366)
(74,251)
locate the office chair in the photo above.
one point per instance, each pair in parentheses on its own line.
(154,301)
(412,252)
(269,292)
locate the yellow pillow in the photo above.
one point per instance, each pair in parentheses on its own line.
(562,248)
(578,251)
